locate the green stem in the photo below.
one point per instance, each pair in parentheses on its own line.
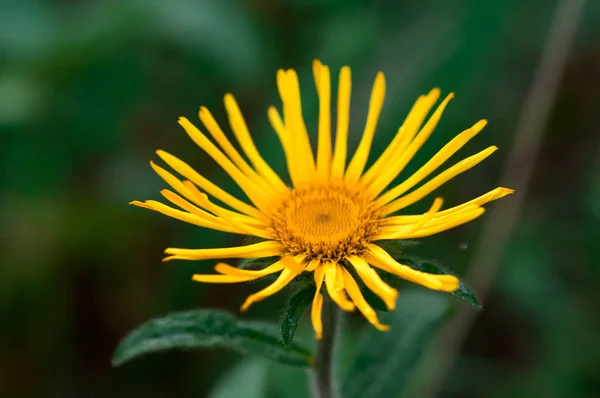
(323,373)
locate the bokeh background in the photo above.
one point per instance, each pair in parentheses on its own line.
(90,89)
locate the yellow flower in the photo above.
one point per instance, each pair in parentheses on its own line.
(335,211)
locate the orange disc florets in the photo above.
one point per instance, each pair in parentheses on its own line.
(327,222)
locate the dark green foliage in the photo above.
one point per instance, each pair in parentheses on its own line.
(257,263)
(294,310)
(205,329)
(386,361)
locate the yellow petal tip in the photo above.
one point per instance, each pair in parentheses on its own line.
(246,305)
(228,98)
(480,124)
(381,327)
(503,192)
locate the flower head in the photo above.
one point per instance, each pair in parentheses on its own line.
(328,222)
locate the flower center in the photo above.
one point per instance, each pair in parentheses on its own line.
(326,222)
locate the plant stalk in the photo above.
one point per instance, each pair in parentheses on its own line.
(323,372)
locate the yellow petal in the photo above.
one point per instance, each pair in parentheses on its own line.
(317,306)
(312,265)
(224,214)
(215,131)
(335,293)
(474,203)
(455,222)
(244,218)
(173,181)
(187,206)
(286,276)
(381,259)
(434,183)
(374,282)
(256,250)
(222,278)
(250,188)
(437,160)
(227,269)
(425,221)
(356,296)
(404,136)
(188,172)
(391,171)
(284,137)
(359,160)
(338,163)
(185,216)
(294,122)
(323,83)
(240,129)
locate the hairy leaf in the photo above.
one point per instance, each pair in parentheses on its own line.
(294,310)
(208,328)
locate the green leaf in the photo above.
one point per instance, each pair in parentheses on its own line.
(209,328)
(294,310)
(386,360)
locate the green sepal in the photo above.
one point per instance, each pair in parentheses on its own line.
(386,361)
(206,329)
(293,311)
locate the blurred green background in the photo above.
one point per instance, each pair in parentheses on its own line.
(89,89)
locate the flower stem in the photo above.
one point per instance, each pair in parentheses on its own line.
(323,372)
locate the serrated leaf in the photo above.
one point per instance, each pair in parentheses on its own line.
(294,310)
(387,360)
(205,329)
